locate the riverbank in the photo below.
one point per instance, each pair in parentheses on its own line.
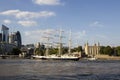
(107,57)
(101,57)
(13,57)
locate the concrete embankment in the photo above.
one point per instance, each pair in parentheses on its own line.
(10,57)
(107,57)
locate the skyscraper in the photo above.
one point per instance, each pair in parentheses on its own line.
(15,38)
(5,34)
(0,37)
(18,39)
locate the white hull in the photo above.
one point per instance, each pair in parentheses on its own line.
(56,57)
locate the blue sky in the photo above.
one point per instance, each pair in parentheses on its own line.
(89,20)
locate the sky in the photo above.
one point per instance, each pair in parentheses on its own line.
(90,21)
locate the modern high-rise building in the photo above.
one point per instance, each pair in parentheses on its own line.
(11,38)
(19,41)
(8,42)
(0,37)
(5,34)
(15,38)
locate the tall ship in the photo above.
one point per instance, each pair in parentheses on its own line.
(59,55)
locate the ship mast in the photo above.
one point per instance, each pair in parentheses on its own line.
(70,42)
(47,46)
(47,43)
(60,42)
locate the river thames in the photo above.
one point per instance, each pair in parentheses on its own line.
(28,69)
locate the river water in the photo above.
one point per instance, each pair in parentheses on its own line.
(28,69)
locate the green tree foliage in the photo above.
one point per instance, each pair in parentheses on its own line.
(79,49)
(118,50)
(65,50)
(53,51)
(102,50)
(107,50)
(16,51)
(39,51)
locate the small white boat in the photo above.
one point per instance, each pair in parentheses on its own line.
(91,59)
(38,57)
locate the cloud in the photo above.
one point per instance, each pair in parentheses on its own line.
(10,12)
(37,35)
(96,24)
(47,2)
(101,37)
(26,14)
(27,23)
(80,34)
(6,21)
(39,32)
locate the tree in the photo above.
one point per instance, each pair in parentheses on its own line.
(79,49)
(118,50)
(102,50)
(16,51)
(53,51)
(39,51)
(108,50)
(65,50)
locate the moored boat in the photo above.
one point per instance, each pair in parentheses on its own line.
(58,56)
(53,57)
(91,59)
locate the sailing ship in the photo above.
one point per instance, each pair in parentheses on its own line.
(54,57)
(68,56)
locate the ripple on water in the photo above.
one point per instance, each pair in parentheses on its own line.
(59,70)
(63,77)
